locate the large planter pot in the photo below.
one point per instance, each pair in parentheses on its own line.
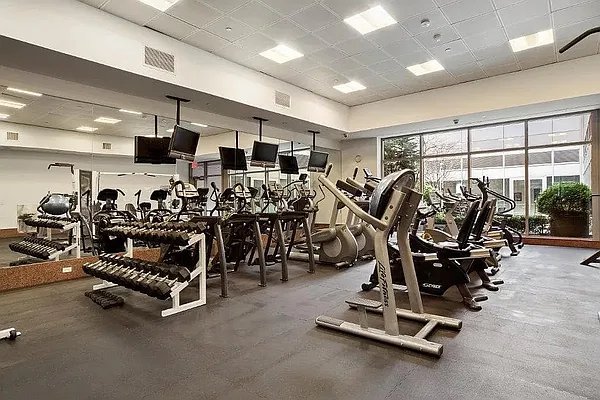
(574,225)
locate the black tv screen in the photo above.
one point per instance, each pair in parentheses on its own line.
(288,165)
(264,154)
(183,143)
(317,162)
(152,150)
(233,159)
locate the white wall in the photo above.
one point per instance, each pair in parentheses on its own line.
(109,40)
(364,149)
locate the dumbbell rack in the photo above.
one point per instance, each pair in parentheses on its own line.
(198,272)
(62,226)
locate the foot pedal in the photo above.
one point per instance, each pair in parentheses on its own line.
(105,299)
(490,286)
(367,303)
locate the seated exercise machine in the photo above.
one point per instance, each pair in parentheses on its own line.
(392,206)
(363,232)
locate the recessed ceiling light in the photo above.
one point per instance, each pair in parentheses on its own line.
(530,41)
(199,124)
(349,87)
(11,104)
(106,120)
(281,54)
(228,29)
(448,49)
(437,37)
(162,5)
(4,116)
(425,23)
(425,68)
(370,20)
(87,129)
(27,92)
(130,112)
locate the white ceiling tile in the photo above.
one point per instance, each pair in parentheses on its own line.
(438,79)
(501,69)
(257,62)
(280,71)
(578,13)
(400,75)
(523,11)
(478,24)
(496,61)
(537,56)
(93,3)
(194,12)
(225,5)
(337,32)
(385,66)
(234,53)
(314,17)
(505,3)
(403,9)
(284,30)
(529,26)
(255,14)
(448,34)
(238,29)
(451,49)
(328,55)
(463,69)
(418,57)
(442,3)
(567,33)
(366,77)
(256,43)
(560,4)
(343,65)
(308,44)
(320,73)
(582,49)
(171,26)
(354,46)
(347,8)
(370,57)
(466,9)
(490,38)
(387,35)
(287,7)
(131,10)
(401,47)
(206,40)
(500,52)
(435,17)
(472,76)
(302,64)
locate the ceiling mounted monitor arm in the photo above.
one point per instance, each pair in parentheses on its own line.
(314,137)
(579,39)
(260,126)
(179,100)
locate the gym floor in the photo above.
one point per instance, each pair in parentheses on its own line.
(537,338)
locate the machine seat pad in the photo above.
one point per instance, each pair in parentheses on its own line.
(108,194)
(146,206)
(367,303)
(159,195)
(324,235)
(346,187)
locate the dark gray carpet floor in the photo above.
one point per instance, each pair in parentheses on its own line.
(537,338)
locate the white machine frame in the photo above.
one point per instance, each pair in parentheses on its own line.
(198,272)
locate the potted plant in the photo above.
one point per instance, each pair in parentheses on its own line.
(568,206)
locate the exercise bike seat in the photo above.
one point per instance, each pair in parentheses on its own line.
(108,194)
(146,206)
(159,195)
(324,235)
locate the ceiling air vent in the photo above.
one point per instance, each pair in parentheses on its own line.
(106,146)
(12,135)
(283,99)
(159,59)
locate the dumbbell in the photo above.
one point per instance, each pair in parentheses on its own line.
(161,286)
(105,266)
(46,243)
(33,246)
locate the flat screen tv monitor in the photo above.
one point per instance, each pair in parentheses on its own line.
(152,150)
(264,154)
(317,162)
(233,159)
(288,164)
(183,143)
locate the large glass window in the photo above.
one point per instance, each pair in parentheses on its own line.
(553,151)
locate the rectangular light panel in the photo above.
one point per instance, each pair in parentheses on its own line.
(530,41)
(130,112)
(281,54)
(21,91)
(11,104)
(87,129)
(4,116)
(162,5)
(199,124)
(106,120)
(349,87)
(425,68)
(370,20)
